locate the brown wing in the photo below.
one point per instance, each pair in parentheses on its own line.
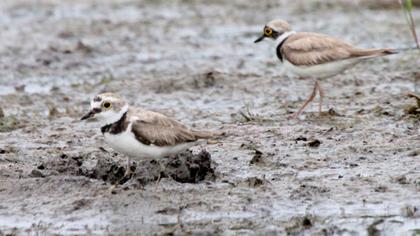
(304,49)
(154,128)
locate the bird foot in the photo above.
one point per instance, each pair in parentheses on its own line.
(129,173)
(293,116)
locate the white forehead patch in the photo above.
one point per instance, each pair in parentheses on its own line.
(95,103)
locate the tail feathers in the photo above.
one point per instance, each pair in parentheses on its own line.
(389,51)
(207,134)
(373,52)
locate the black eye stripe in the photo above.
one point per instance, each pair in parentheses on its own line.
(97,99)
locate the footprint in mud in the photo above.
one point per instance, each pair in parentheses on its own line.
(184,167)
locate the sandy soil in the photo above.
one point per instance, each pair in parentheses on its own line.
(352,171)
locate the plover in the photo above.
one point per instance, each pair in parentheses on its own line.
(140,133)
(313,55)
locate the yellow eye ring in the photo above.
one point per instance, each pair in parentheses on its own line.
(268,31)
(106,105)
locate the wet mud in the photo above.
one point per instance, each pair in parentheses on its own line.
(352,170)
(184,167)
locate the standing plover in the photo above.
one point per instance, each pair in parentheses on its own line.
(313,55)
(139,133)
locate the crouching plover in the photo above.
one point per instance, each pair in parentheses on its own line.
(313,55)
(139,133)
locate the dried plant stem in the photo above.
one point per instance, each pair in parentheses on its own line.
(407,6)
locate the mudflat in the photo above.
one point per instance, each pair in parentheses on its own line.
(352,170)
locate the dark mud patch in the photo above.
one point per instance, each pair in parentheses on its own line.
(185,167)
(9,123)
(196,62)
(308,192)
(297,225)
(195,82)
(413,110)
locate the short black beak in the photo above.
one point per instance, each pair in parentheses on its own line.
(91,113)
(88,115)
(259,39)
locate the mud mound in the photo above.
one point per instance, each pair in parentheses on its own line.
(184,167)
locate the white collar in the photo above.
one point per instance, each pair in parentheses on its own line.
(284,36)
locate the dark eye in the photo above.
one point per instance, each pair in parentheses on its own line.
(268,31)
(106,105)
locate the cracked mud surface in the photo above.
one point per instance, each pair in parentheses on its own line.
(352,170)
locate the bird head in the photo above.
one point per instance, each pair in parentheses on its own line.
(274,29)
(107,108)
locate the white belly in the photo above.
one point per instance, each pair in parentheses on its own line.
(320,71)
(127,144)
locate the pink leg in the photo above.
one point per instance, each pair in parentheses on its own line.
(311,97)
(321,97)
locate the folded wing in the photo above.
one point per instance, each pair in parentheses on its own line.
(306,49)
(154,128)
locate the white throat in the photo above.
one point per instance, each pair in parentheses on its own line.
(284,36)
(116,116)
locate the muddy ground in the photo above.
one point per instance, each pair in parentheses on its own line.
(352,171)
